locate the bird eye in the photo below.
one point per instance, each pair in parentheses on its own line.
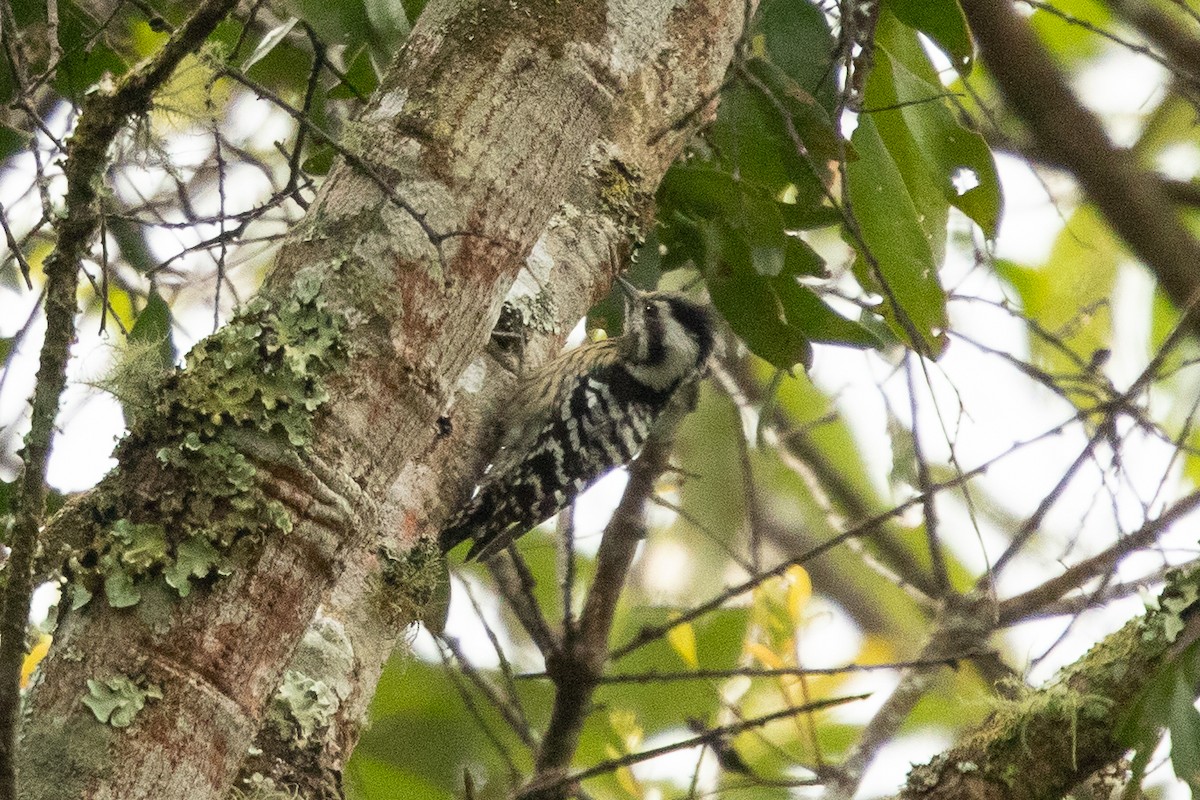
(649,308)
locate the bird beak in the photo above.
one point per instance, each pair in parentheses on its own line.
(630,290)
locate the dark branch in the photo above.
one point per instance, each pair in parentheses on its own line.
(1131,199)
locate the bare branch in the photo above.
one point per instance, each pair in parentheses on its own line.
(104,115)
(1130,199)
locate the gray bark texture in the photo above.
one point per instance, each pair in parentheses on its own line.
(508,137)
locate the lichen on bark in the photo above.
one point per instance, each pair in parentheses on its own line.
(191,488)
(1043,742)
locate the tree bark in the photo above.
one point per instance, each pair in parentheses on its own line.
(1046,741)
(501,137)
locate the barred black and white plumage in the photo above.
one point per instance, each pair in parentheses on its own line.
(585,413)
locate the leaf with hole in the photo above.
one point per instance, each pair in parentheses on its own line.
(895,256)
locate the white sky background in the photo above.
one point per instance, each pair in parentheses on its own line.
(1002,410)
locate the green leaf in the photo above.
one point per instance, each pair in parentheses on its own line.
(153,326)
(774,129)
(1166,700)
(704,191)
(658,706)
(360,78)
(319,160)
(904,271)
(82,67)
(747,300)
(914,119)
(688,192)
(1183,720)
(413,9)
(286,65)
(340,22)
(797,39)
(415,697)
(1069,294)
(762,225)
(751,134)
(810,120)
(11,142)
(1068,42)
(807,312)
(800,259)
(798,217)
(389,26)
(943,22)
(269,42)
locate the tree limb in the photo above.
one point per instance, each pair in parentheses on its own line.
(1131,200)
(105,113)
(1039,745)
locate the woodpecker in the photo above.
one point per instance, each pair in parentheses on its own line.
(582,415)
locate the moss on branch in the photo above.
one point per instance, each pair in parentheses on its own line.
(1045,741)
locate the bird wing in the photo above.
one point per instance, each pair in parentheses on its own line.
(504,508)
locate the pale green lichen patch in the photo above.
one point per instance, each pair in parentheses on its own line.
(1181,596)
(302,706)
(622,192)
(327,651)
(191,487)
(260,787)
(116,701)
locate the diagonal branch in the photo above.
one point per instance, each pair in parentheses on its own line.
(1130,198)
(562,785)
(1023,751)
(576,669)
(961,628)
(104,115)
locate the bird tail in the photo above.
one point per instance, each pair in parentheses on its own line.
(459,529)
(475,521)
(490,519)
(452,537)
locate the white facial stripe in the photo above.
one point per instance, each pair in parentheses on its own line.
(681,354)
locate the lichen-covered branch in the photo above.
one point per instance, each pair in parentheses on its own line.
(103,116)
(1039,745)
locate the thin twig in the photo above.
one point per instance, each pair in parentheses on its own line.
(15,248)
(1015,609)
(103,116)
(512,713)
(752,672)
(559,786)
(576,670)
(936,559)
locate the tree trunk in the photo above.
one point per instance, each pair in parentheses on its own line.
(308,446)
